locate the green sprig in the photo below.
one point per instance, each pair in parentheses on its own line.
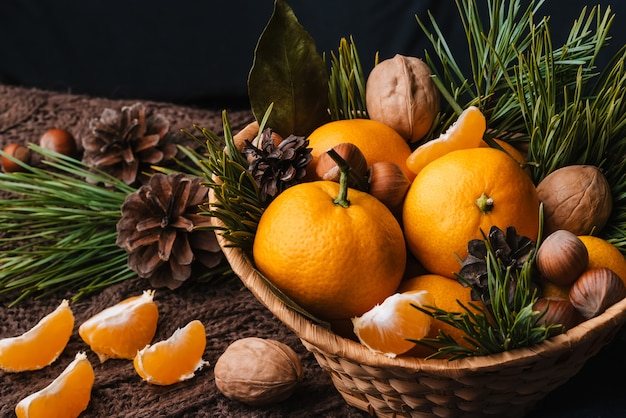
(504,325)
(346,84)
(551,99)
(57,230)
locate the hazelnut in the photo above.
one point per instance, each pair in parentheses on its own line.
(327,168)
(389,184)
(17,151)
(557,310)
(562,257)
(595,290)
(59,141)
(258,371)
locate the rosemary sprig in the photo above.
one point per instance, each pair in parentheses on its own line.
(346,84)
(57,230)
(237,201)
(504,325)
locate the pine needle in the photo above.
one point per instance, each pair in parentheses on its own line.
(58,231)
(346,84)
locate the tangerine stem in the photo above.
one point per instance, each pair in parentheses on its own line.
(484,203)
(344,169)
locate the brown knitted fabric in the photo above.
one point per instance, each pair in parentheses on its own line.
(227,310)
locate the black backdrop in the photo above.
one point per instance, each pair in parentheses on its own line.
(200,52)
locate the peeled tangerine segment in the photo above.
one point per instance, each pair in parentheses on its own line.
(122,329)
(174,359)
(388,328)
(41,345)
(67,396)
(467,132)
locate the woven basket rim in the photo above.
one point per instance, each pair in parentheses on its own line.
(327,341)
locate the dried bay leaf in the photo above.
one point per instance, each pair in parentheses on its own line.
(288,72)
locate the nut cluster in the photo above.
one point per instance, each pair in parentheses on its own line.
(384,180)
(563,260)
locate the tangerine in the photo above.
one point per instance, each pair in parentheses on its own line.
(121,330)
(336,262)
(447,294)
(513,151)
(41,345)
(461,195)
(466,132)
(377,142)
(388,328)
(175,359)
(602,253)
(67,396)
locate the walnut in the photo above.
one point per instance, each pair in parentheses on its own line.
(400,92)
(576,198)
(258,371)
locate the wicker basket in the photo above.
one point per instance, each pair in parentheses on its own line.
(505,384)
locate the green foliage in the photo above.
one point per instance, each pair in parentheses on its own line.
(346,85)
(58,231)
(503,325)
(551,99)
(237,203)
(289,72)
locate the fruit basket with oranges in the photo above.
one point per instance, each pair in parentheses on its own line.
(438,260)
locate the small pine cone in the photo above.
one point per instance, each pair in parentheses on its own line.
(160,230)
(509,249)
(276,168)
(122,143)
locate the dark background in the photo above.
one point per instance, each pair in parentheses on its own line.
(200,52)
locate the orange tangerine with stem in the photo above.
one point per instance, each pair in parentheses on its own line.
(121,330)
(174,359)
(389,327)
(41,345)
(466,132)
(333,250)
(459,196)
(67,396)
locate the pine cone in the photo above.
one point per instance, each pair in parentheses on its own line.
(276,168)
(122,142)
(159,230)
(511,250)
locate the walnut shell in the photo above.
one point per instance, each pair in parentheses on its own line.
(258,371)
(576,198)
(400,92)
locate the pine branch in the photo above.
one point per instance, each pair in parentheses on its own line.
(57,231)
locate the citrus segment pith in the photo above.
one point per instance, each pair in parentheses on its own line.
(174,359)
(459,195)
(333,261)
(121,330)
(41,345)
(388,328)
(377,142)
(466,132)
(67,396)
